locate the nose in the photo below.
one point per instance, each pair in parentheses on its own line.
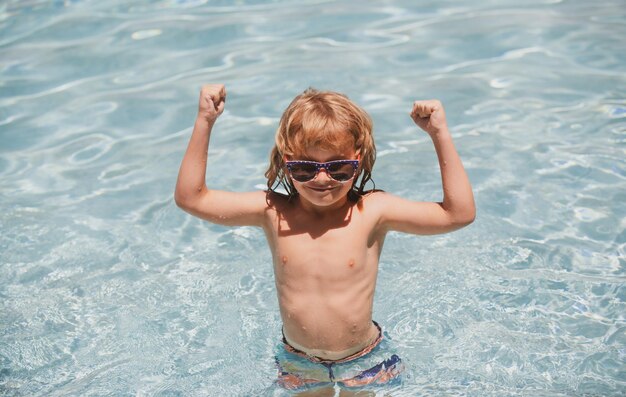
(324,178)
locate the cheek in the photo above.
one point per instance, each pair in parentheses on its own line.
(297,187)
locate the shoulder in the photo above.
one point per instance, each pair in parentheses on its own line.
(375,198)
(279,204)
(388,204)
(393,212)
(373,203)
(277,200)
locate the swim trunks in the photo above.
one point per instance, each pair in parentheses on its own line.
(372,365)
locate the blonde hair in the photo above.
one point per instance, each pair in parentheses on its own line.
(328,120)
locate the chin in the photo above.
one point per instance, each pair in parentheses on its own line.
(322,197)
(322,203)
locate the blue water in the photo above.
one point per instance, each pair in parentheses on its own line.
(108,289)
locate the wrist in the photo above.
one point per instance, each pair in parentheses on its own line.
(202,121)
(440,133)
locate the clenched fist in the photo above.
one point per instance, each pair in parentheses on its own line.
(429,116)
(212,101)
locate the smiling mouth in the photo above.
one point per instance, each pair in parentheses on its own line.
(322,189)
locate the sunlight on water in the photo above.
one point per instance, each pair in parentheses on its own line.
(106,288)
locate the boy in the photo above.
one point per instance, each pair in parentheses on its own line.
(326,234)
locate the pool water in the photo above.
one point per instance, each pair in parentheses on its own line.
(108,289)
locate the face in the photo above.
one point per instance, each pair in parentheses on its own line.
(324,192)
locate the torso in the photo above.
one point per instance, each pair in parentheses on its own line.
(325,270)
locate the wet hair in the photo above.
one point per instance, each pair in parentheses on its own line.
(327,120)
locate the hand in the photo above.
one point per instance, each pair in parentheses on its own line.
(212,101)
(429,116)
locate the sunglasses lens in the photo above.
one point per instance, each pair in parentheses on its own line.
(341,171)
(303,172)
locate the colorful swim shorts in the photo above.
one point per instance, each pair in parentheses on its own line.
(372,365)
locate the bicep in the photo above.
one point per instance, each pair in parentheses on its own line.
(415,217)
(229,208)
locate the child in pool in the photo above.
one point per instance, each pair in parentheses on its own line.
(326,234)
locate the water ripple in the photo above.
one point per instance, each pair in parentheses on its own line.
(107,288)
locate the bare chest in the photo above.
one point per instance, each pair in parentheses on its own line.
(331,254)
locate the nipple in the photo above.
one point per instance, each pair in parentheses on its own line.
(351,263)
(284,259)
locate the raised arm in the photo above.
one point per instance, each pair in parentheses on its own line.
(457,208)
(192,194)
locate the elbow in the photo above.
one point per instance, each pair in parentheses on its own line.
(189,199)
(183,199)
(465,217)
(464,221)
(180,200)
(461,216)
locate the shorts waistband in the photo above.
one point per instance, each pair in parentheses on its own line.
(322,360)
